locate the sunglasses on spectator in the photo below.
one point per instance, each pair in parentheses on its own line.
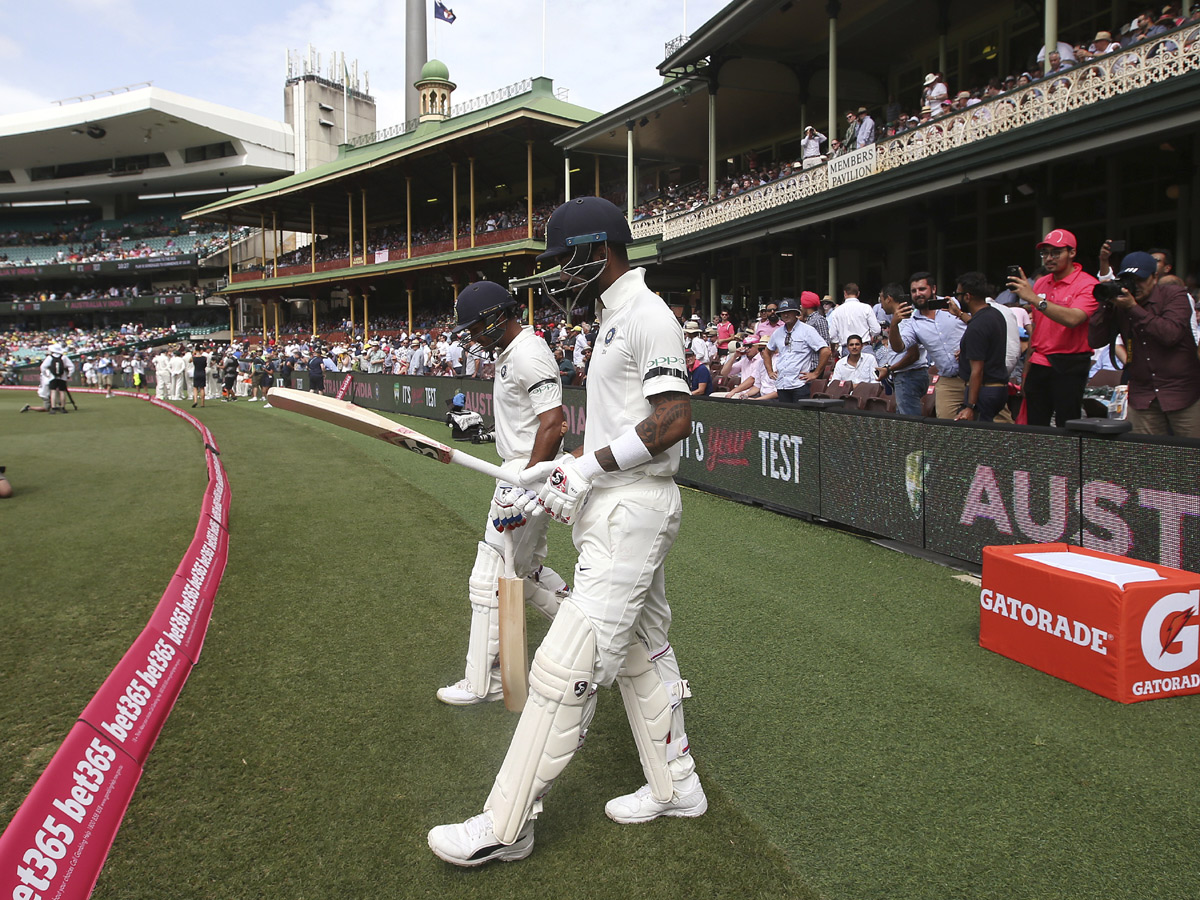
(1052,251)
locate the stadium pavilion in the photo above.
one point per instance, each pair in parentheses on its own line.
(94,189)
(1104,148)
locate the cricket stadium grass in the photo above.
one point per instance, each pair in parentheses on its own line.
(854,740)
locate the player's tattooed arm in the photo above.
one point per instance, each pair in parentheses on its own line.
(669,422)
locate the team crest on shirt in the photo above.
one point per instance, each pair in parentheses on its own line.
(504,371)
(612,333)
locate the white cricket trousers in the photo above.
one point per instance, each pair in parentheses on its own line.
(623,535)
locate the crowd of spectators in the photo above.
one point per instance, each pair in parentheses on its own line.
(1022,350)
(863,126)
(1025,350)
(93,293)
(23,347)
(394,238)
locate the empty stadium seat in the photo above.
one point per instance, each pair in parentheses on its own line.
(864,391)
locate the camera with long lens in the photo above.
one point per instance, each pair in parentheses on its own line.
(1107,292)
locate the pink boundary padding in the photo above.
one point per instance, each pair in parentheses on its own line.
(56,844)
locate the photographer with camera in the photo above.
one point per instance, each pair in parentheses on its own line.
(1154,320)
(1060,304)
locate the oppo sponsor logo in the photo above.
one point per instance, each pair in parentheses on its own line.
(1070,630)
(1100,502)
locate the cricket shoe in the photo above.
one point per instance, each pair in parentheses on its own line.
(688,801)
(461,694)
(474,842)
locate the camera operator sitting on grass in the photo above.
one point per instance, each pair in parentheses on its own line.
(1154,320)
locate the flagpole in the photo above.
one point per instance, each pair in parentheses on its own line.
(543,37)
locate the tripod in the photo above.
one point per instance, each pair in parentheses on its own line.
(74,406)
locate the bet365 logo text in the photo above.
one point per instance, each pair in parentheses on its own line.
(1171,642)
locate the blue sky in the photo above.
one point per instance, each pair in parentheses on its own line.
(604,52)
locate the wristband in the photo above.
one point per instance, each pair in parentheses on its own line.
(587,466)
(628,450)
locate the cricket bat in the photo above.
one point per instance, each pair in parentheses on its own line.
(514,648)
(364,421)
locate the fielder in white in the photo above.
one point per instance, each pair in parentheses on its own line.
(527,398)
(619,493)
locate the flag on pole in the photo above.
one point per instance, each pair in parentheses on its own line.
(441,12)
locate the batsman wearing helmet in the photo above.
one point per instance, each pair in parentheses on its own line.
(527,399)
(619,494)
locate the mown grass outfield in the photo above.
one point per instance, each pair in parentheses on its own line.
(854,740)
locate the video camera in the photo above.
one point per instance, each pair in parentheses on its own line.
(1107,292)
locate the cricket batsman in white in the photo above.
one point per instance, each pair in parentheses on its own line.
(527,399)
(619,493)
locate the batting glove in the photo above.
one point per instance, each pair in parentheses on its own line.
(502,513)
(531,477)
(567,485)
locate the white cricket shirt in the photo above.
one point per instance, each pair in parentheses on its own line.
(526,385)
(638,353)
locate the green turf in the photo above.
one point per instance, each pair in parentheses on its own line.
(854,740)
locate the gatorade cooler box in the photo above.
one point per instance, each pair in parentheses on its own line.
(1122,628)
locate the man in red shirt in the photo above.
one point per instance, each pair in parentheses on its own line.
(1060,304)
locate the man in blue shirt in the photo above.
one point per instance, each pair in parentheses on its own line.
(937,327)
(795,354)
(699,376)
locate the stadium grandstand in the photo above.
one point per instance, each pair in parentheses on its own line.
(978,142)
(405,217)
(94,188)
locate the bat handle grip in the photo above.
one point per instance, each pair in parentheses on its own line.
(479,465)
(510,568)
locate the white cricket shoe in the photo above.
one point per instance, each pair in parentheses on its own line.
(461,694)
(688,802)
(474,842)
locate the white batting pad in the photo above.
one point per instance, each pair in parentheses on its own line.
(562,698)
(483,647)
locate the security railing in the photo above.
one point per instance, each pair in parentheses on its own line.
(648,227)
(385,134)
(497,96)
(1091,81)
(673,45)
(491,97)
